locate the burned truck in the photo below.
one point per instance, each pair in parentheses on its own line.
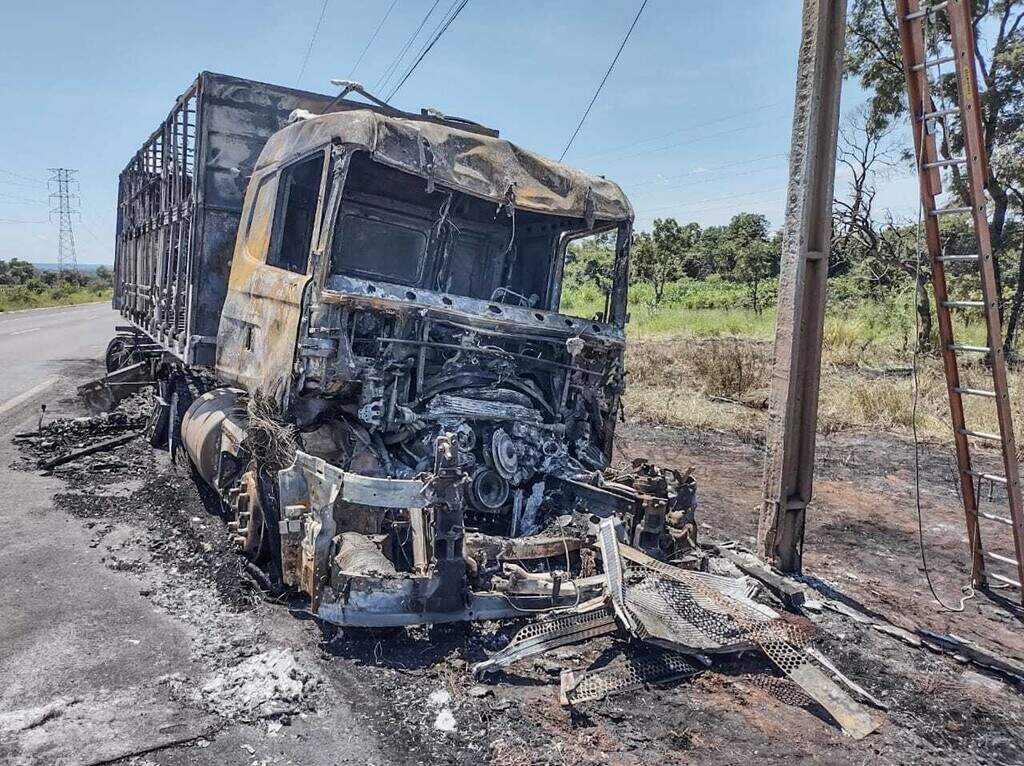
(352,315)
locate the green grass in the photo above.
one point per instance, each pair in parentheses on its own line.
(703,323)
(862,327)
(21,297)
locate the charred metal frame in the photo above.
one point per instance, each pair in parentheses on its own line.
(427,440)
(155,224)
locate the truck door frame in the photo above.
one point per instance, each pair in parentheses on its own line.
(265,303)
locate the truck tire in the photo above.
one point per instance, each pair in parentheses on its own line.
(156,426)
(252,533)
(118,353)
(181,398)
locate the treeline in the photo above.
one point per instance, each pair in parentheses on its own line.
(16,272)
(873,260)
(876,258)
(24,285)
(741,258)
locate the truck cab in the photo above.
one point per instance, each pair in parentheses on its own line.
(397,406)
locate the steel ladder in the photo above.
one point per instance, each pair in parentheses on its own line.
(1001,559)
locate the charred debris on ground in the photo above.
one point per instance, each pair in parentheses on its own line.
(656,622)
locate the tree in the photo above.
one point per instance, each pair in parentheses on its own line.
(863,241)
(590,260)
(1009,163)
(17,272)
(753,256)
(873,55)
(864,156)
(660,256)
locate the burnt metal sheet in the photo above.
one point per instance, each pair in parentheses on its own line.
(481,165)
(384,493)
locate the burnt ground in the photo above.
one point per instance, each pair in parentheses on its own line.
(407,697)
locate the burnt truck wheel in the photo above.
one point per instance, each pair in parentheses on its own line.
(119,354)
(249,525)
(156,426)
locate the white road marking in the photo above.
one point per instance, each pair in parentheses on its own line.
(12,403)
(22,332)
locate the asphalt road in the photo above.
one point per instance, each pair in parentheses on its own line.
(83,652)
(71,630)
(36,345)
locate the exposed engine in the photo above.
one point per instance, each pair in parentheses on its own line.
(521,408)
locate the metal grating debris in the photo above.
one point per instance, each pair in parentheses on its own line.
(681,608)
(630,674)
(545,635)
(608,541)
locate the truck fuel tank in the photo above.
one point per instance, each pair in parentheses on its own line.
(215,420)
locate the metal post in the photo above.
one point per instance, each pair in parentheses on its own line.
(793,406)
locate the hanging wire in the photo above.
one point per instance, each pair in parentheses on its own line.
(967,591)
(389,72)
(372,38)
(443,27)
(312,41)
(603,80)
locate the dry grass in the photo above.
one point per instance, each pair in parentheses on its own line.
(722,384)
(734,370)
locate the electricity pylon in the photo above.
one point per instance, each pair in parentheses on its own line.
(64,200)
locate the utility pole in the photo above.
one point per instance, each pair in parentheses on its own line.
(806,240)
(64,204)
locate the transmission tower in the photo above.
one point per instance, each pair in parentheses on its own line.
(64,204)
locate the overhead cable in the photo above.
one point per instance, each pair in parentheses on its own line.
(372,37)
(443,27)
(603,80)
(389,72)
(312,40)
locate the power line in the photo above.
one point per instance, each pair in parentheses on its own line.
(20,185)
(443,27)
(372,38)
(385,78)
(89,230)
(603,80)
(18,220)
(681,130)
(11,199)
(659,178)
(701,182)
(433,33)
(312,41)
(700,205)
(677,144)
(23,178)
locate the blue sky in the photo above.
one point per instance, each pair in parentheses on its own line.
(694,121)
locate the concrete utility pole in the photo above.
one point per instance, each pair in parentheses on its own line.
(806,241)
(64,203)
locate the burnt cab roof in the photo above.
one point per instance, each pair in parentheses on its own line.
(467,160)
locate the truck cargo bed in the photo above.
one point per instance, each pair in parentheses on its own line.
(179,202)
